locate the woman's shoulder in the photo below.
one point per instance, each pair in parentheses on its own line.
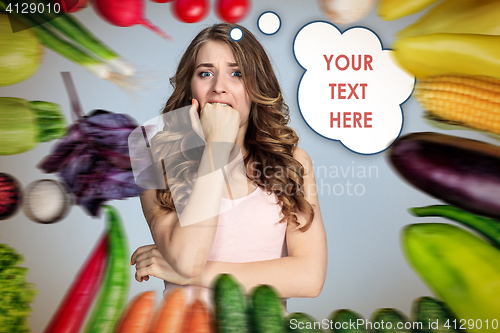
(303,158)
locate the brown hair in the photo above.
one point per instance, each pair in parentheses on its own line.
(268,140)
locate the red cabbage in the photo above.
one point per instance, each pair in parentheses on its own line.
(93,160)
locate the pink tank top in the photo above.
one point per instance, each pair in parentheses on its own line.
(249,231)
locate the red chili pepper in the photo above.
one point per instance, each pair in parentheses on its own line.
(75,305)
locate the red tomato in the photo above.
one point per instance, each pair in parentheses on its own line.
(190,11)
(161,1)
(233,11)
(72,6)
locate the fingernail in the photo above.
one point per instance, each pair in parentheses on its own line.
(192,101)
(131,262)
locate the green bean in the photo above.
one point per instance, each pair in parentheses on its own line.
(489,228)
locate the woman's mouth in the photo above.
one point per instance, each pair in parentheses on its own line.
(221,103)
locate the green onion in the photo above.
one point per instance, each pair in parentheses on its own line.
(66,24)
(74,30)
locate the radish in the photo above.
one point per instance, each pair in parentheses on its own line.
(72,6)
(125,13)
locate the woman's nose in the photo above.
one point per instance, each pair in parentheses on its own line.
(220,84)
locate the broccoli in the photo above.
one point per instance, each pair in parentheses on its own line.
(16,293)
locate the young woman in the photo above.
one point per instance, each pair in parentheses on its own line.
(275,234)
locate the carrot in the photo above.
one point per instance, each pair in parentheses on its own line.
(168,317)
(136,318)
(197,319)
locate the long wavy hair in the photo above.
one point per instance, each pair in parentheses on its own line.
(268,140)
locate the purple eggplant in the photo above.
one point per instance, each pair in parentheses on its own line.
(459,171)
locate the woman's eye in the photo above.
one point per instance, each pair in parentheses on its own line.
(236,73)
(205,74)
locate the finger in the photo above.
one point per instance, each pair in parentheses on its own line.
(151,261)
(144,263)
(153,253)
(139,277)
(144,273)
(194,115)
(140,251)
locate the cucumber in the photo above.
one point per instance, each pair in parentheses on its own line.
(230,308)
(433,315)
(267,310)
(390,320)
(299,322)
(347,321)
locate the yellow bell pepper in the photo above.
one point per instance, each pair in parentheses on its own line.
(389,10)
(457,16)
(437,54)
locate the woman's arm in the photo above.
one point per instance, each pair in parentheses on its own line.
(185,241)
(301,274)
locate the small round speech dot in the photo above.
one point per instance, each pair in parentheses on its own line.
(269,23)
(236,34)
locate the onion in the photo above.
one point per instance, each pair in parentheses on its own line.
(346,11)
(46,201)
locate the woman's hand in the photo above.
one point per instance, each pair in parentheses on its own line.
(148,261)
(220,123)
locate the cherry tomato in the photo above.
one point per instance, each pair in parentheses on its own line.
(233,11)
(72,6)
(190,11)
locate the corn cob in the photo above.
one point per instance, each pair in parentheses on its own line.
(471,101)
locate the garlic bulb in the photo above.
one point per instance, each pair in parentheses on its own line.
(346,11)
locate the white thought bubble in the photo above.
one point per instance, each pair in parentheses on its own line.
(351,90)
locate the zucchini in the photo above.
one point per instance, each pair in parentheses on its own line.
(459,171)
(300,322)
(230,307)
(390,320)
(458,267)
(267,310)
(433,315)
(24,124)
(347,321)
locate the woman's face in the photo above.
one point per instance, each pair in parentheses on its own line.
(217,79)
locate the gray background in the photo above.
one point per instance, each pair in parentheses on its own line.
(366,269)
